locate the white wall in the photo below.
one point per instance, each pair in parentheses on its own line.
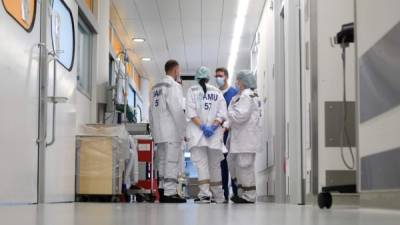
(306,91)
(264,68)
(263,44)
(145,91)
(293,100)
(19,92)
(369,31)
(87,107)
(331,15)
(382,132)
(103,46)
(83,109)
(278,69)
(78,111)
(59,158)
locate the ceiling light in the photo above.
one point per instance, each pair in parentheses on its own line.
(237,35)
(139,40)
(146,59)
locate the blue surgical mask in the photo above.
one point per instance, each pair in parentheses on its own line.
(220,81)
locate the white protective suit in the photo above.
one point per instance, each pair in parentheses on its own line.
(206,152)
(132,167)
(244,114)
(168,129)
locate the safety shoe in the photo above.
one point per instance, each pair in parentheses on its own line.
(239,200)
(202,200)
(223,201)
(234,198)
(161,193)
(172,199)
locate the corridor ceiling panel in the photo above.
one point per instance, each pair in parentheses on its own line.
(194,32)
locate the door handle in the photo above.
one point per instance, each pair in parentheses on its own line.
(54,100)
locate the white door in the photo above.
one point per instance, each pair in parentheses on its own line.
(59,177)
(19,91)
(293,103)
(19,69)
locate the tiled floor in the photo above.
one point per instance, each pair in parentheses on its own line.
(169,214)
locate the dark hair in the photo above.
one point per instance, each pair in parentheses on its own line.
(170,64)
(203,85)
(222,69)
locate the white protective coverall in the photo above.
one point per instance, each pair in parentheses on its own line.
(244,114)
(168,129)
(132,167)
(206,153)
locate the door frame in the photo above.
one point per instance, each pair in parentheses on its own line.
(280,133)
(43,93)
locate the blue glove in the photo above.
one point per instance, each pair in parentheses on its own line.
(214,127)
(207,131)
(203,127)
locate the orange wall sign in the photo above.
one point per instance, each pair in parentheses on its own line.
(90,4)
(138,81)
(23,12)
(116,43)
(118,47)
(129,70)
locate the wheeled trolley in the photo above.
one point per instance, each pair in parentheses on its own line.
(146,188)
(325,197)
(100,154)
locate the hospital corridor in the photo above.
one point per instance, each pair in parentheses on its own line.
(200,112)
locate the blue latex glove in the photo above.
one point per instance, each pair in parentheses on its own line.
(214,127)
(207,131)
(203,127)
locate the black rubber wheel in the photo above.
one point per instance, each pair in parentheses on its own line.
(139,198)
(81,198)
(325,200)
(150,198)
(115,199)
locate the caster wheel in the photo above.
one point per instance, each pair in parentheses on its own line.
(139,198)
(81,198)
(150,198)
(115,199)
(325,200)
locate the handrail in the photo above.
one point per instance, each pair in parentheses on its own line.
(53,136)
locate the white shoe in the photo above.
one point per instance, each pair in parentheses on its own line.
(202,200)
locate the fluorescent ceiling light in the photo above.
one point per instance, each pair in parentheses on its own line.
(237,35)
(138,40)
(146,59)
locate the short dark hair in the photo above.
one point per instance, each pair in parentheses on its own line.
(170,64)
(222,69)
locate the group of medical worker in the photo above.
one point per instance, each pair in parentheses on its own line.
(221,127)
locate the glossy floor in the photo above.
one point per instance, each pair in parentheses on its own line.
(158,214)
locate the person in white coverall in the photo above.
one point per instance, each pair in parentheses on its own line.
(132,166)
(244,115)
(168,129)
(206,110)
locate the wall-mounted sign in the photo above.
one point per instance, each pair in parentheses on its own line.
(23,12)
(63,33)
(90,4)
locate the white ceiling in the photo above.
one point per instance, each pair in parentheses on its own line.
(194,32)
